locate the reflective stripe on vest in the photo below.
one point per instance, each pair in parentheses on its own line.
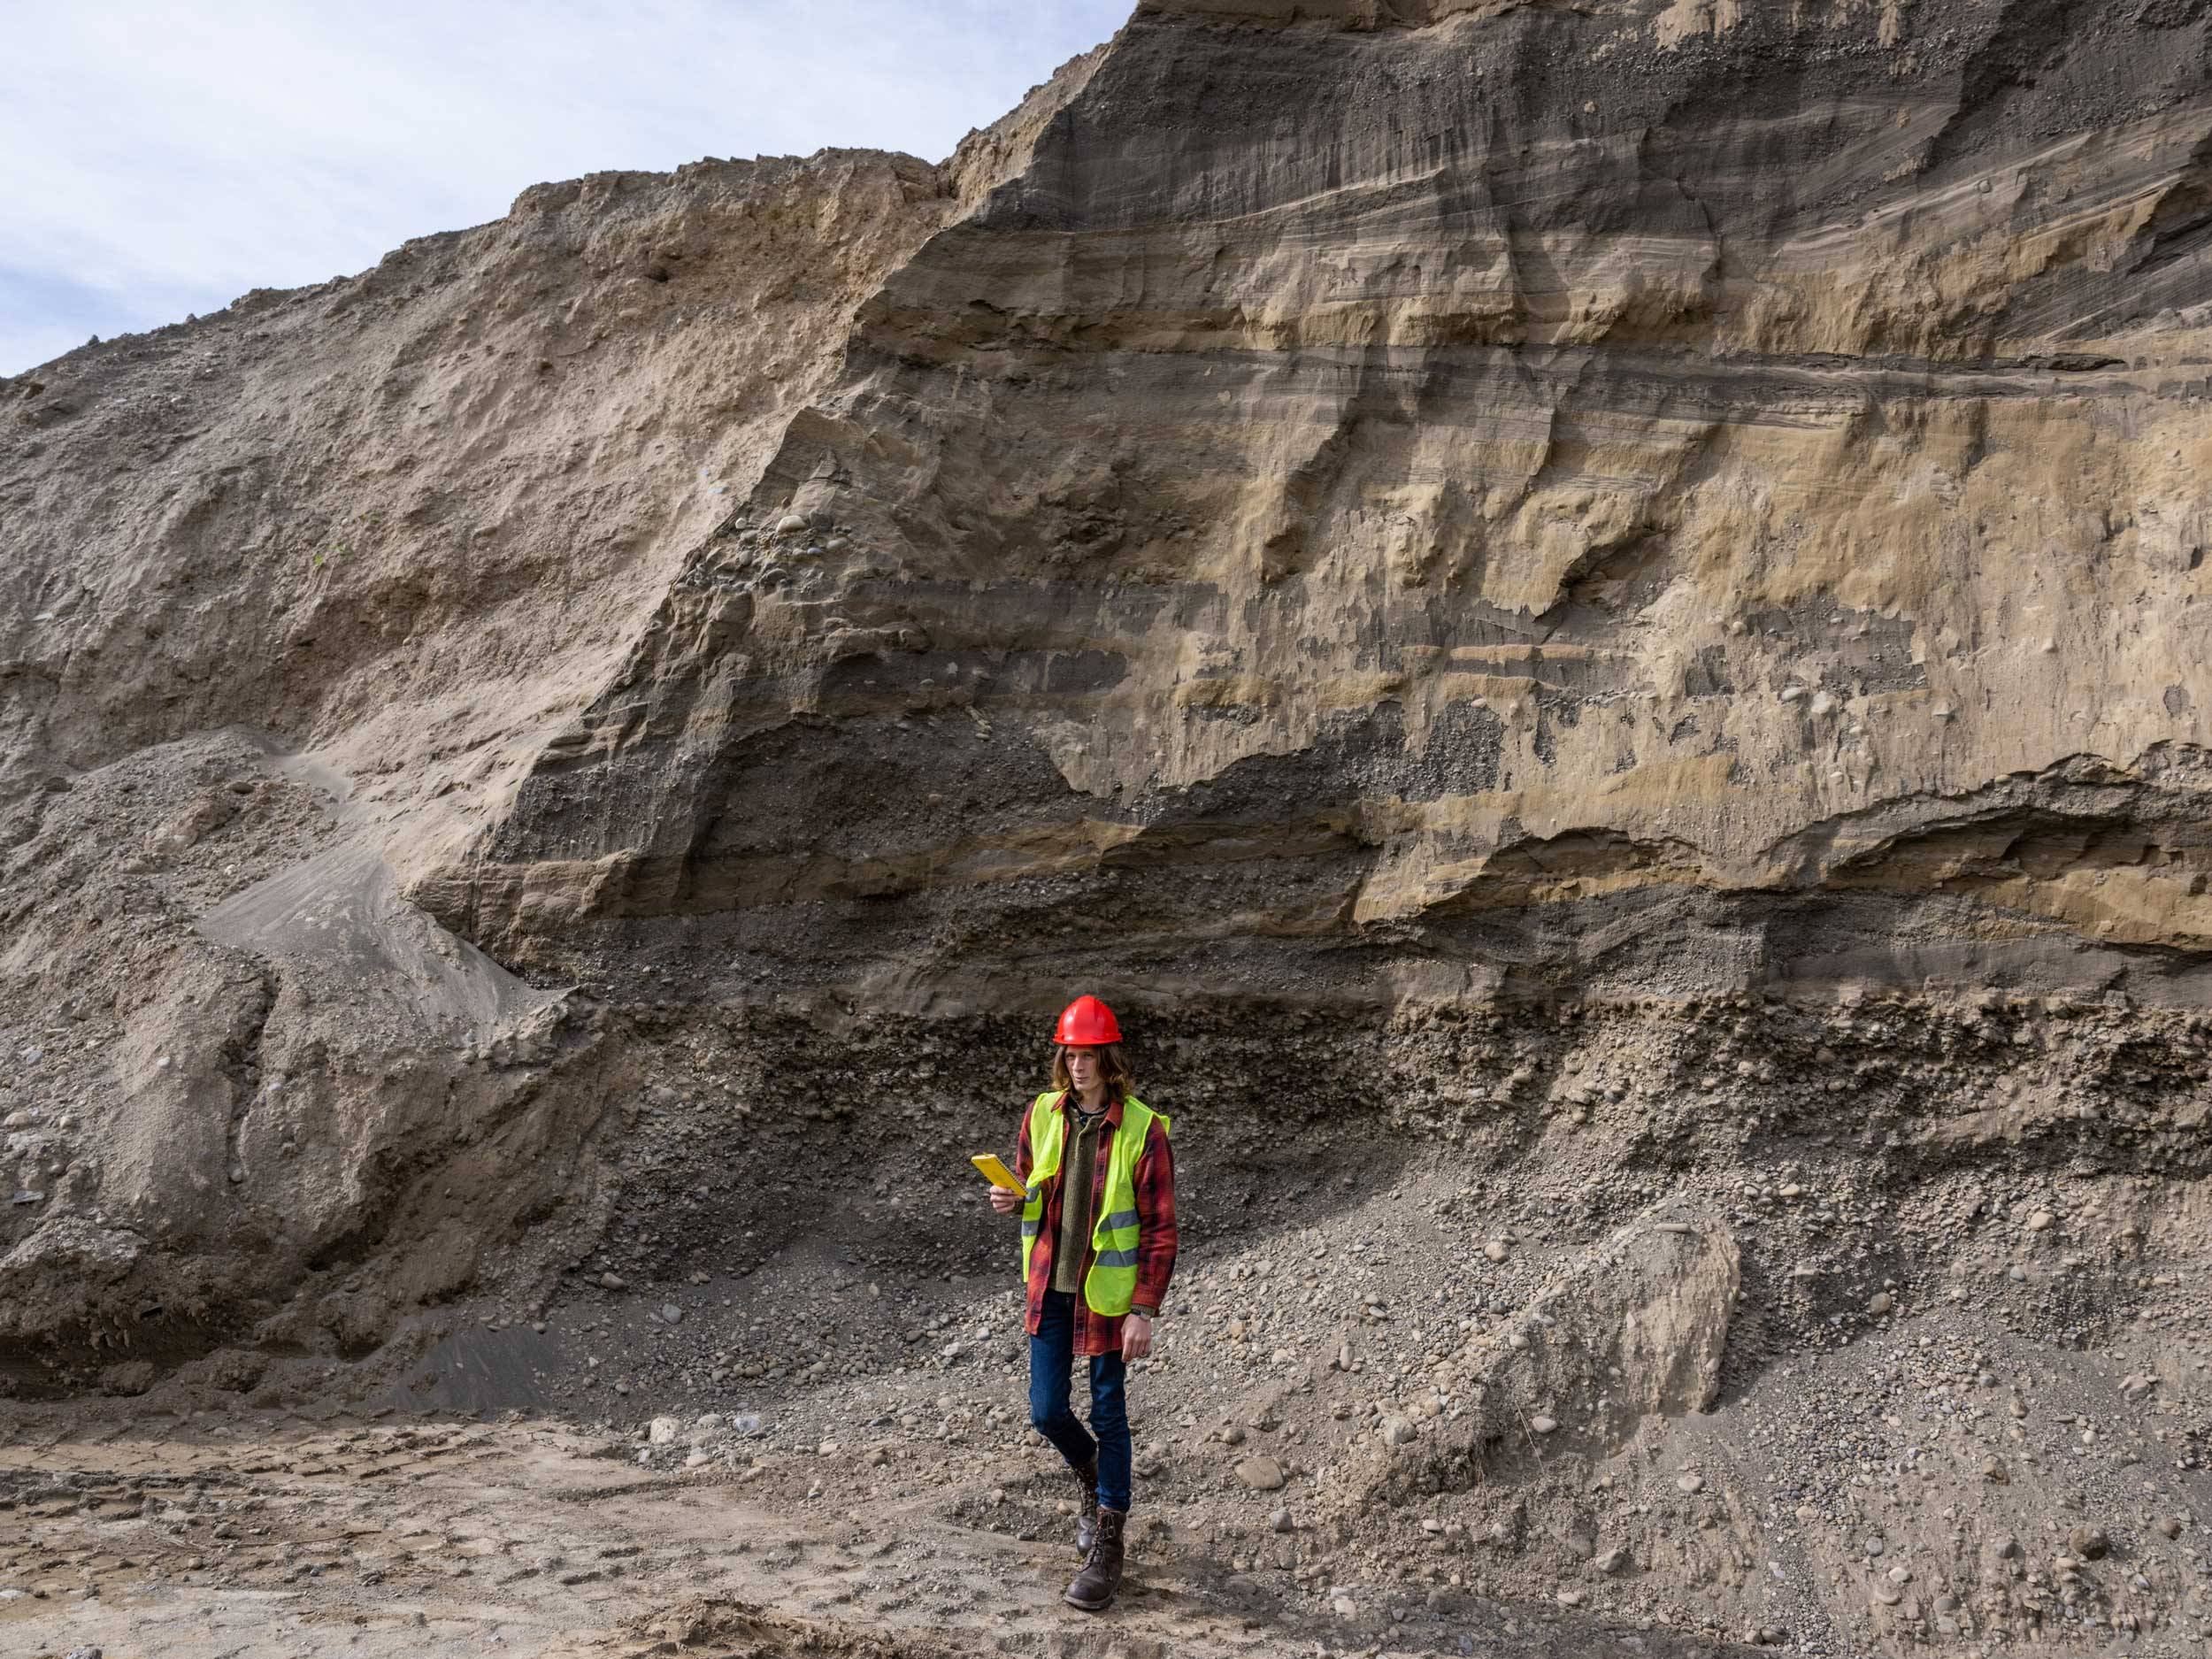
(1111,1284)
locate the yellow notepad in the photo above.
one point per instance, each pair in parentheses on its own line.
(998,1173)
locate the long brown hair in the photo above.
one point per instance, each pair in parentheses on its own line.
(1112,1066)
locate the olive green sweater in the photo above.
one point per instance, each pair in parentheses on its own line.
(1078,1165)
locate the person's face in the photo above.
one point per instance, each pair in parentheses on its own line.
(1083,1069)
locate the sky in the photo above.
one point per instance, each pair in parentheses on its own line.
(159,159)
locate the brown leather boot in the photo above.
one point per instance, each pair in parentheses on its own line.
(1094,1588)
(1086,1517)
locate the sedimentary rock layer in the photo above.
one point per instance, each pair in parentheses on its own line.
(1371,506)
(1384,509)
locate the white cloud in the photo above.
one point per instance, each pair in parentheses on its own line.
(157,159)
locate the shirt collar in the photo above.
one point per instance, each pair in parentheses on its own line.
(1113,1107)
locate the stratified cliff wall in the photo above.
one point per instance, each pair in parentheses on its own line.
(1602,497)
(1359,509)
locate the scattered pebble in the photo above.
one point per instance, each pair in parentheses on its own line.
(2089,1542)
(1262,1474)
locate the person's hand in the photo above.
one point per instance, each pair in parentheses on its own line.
(1004,1202)
(1136,1337)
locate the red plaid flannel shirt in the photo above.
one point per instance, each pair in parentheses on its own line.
(1155,1175)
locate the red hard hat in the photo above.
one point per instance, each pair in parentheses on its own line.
(1086,1023)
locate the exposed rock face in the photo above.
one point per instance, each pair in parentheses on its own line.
(1375,504)
(1512,496)
(403,522)
(1638,1329)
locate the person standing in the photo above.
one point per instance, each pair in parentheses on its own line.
(1098,1248)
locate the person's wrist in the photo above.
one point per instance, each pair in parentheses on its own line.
(1146,1313)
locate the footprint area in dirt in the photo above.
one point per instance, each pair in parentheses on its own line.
(259,1533)
(1641,1451)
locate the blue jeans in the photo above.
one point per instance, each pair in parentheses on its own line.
(1051,1359)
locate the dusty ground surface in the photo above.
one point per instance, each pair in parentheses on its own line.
(1637,1438)
(253,1533)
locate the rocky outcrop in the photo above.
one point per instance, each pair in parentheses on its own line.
(1369,505)
(1350,489)
(1635,1330)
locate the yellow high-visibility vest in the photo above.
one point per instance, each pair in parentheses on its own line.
(1111,1284)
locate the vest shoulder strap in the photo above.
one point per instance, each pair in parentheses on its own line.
(1150,1115)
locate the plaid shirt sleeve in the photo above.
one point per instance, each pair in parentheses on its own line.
(1048,1224)
(1156,1220)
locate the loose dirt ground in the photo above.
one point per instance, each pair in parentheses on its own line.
(229,1535)
(1608,1440)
